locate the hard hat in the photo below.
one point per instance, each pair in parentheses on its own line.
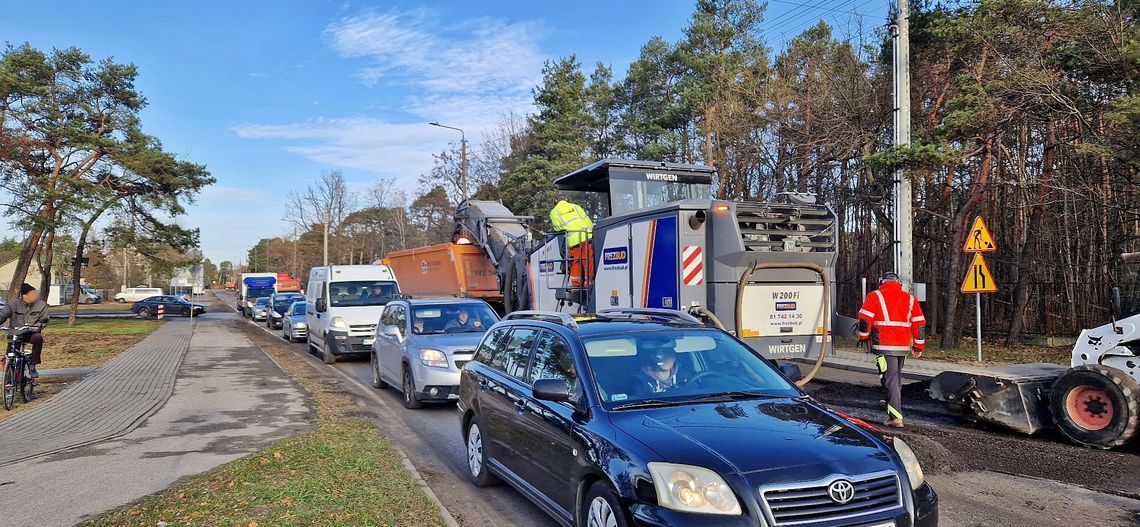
(463,240)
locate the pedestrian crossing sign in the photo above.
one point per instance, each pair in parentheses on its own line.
(979,239)
(979,279)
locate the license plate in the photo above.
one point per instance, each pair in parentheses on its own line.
(368,342)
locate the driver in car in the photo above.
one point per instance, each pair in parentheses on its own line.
(660,374)
(463,321)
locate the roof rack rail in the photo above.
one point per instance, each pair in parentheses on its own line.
(546,316)
(672,314)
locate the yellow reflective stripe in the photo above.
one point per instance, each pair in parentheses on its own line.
(881,363)
(893,413)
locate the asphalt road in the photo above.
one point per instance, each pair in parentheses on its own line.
(984,477)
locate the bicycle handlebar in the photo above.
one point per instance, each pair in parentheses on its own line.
(16,329)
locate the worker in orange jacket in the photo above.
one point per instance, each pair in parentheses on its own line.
(891,321)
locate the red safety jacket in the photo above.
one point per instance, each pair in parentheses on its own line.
(892,320)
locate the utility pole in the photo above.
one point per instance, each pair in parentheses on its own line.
(462,154)
(903,246)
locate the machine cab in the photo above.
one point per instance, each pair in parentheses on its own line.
(612,187)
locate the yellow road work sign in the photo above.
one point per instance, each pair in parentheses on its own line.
(979,279)
(979,239)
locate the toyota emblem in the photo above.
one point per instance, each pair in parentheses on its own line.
(841,491)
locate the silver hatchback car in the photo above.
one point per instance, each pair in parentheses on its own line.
(294,327)
(421,346)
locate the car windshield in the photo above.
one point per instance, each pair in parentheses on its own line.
(257,292)
(362,293)
(298,308)
(452,318)
(262,302)
(680,366)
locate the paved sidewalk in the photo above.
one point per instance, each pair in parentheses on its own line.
(109,402)
(916,369)
(229,400)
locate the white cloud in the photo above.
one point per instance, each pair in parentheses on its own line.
(397,150)
(466,75)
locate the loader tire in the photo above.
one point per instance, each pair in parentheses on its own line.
(1096,406)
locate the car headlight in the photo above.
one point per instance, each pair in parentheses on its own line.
(249,304)
(276,315)
(338,322)
(433,358)
(686,488)
(910,463)
(300,325)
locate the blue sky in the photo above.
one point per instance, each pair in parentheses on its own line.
(269,94)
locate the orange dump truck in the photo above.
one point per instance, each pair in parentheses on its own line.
(287,284)
(446,269)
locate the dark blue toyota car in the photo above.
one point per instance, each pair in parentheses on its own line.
(651,419)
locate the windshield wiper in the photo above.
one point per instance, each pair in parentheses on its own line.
(733,396)
(648,403)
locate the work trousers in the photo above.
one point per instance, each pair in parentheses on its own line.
(890,376)
(581,266)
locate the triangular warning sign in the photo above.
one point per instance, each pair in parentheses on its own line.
(979,279)
(979,239)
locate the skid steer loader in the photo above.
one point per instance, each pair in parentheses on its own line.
(1095,402)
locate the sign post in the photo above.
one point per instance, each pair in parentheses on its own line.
(978,278)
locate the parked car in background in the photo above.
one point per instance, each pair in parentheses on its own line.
(260,309)
(295,328)
(134,294)
(421,345)
(651,419)
(171,305)
(279,304)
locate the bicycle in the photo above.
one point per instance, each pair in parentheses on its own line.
(16,368)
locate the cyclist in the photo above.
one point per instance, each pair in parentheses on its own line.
(28,310)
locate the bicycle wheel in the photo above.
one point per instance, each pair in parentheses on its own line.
(9,385)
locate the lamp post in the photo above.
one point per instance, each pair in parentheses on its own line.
(462,154)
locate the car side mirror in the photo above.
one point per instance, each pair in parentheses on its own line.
(1117,303)
(552,390)
(321,306)
(393,331)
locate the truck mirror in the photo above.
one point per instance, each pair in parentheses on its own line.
(1117,304)
(321,307)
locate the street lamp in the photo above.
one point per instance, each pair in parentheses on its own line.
(462,154)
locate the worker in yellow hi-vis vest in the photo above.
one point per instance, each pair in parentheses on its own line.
(568,218)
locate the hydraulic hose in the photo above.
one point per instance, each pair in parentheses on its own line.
(825,343)
(701,311)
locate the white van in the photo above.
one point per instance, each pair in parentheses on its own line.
(134,294)
(343,306)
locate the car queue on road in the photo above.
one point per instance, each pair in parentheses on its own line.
(627,417)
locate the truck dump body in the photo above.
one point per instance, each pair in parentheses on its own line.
(446,269)
(287,284)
